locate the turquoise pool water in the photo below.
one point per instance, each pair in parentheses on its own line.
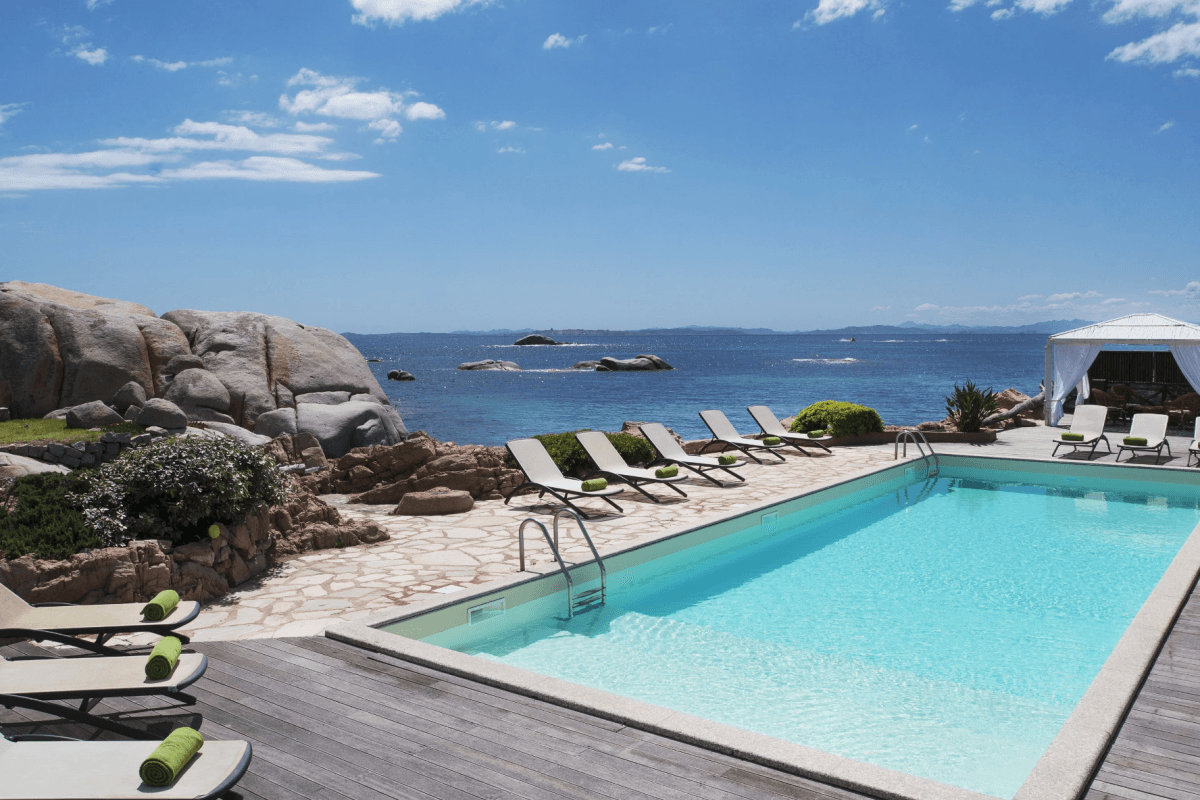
(944,628)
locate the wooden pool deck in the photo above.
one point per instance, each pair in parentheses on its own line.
(329,721)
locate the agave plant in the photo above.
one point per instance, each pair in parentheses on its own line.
(969,406)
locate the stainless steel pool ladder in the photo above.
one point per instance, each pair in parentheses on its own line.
(586,600)
(919,439)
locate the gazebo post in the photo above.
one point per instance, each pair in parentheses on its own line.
(1049,387)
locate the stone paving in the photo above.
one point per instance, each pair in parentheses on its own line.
(431,556)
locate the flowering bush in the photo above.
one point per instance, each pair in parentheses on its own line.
(175,488)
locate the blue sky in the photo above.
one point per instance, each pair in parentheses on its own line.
(405,165)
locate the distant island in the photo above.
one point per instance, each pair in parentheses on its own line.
(1047,327)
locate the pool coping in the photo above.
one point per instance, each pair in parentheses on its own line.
(1063,772)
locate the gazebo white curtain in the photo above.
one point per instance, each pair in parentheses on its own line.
(1187,356)
(1070,366)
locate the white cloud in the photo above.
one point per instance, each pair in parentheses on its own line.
(1180,41)
(8,111)
(557,40)
(175,66)
(92,5)
(313,127)
(225,137)
(881,308)
(1002,13)
(266,168)
(259,118)
(506,125)
(927,140)
(226,79)
(1191,291)
(397,12)
(1113,301)
(1166,126)
(73,170)
(1029,297)
(605,146)
(424,111)
(831,10)
(388,129)
(1058,298)
(913,127)
(1043,7)
(1187,72)
(510,150)
(94,57)
(639,165)
(503,125)
(959,5)
(1125,10)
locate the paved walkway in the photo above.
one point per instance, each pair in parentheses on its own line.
(428,556)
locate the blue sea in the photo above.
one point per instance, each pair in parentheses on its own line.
(904,377)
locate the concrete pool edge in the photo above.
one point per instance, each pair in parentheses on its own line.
(1062,773)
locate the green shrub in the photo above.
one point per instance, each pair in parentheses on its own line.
(175,488)
(969,406)
(572,459)
(47,521)
(838,419)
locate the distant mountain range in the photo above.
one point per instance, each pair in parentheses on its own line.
(1048,327)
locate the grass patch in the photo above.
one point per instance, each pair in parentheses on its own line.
(33,430)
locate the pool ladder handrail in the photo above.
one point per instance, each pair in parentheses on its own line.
(587,598)
(918,438)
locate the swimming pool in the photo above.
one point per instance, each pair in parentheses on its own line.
(944,628)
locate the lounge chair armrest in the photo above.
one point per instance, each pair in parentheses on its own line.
(41,737)
(51,605)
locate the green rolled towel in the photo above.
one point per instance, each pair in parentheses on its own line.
(163,603)
(214,531)
(817,434)
(725,461)
(595,485)
(1072,437)
(771,440)
(666,472)
(1136,441)
(169,758)
(163,658)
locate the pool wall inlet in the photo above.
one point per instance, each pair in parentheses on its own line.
(1063,772)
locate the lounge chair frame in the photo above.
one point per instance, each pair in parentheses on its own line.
(1194,447)
(682,459)
(629,476)
(1091,441)
(559,493)
(1155,419)
(737,442)
(763,417)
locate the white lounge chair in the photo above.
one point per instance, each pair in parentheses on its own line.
(771,426)
(1087,421)
(610,465)
(724,433)
(669,452)
(62,622)
(1194,447)
(544,475)
(1152,428)
(37,769)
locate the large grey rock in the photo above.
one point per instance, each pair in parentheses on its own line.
(239,433)
(131,394)
(181,363)
(586,365)
(162,413)
(323,398)
(92,415)
(489,364)
(199,393)
(535,338)
(336,427)
(14,466)
(280,422)
(400,375)
(642,363)
(438,500)
(58,413)
(253,353)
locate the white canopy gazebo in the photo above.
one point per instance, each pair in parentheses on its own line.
(1069,354)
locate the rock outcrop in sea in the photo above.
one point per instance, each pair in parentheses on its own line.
(536,338)
(61,349)
(489,364)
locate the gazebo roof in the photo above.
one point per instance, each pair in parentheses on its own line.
(1133,329)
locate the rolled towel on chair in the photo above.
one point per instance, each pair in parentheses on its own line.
(163,603)
(595,485)
(772,440)
(1072,437)
(163,766)
(163,658)
(1135,441)
(666,472)
(817,434)
(726,460)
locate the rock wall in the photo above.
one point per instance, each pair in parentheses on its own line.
(384,474)
(198,571)
(60,349)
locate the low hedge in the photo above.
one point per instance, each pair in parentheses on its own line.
(48,519)
(838,418)
(572,459)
